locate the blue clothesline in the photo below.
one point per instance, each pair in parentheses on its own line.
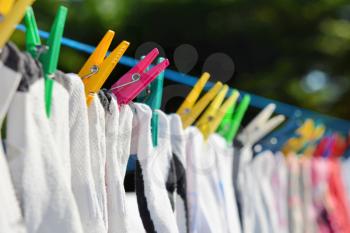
(256,101)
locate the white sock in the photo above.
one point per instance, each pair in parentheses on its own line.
(117,215)
(124,137)
(81,172)
(59,120)
(224,157)
(96,115)
(178,150)
(151,175)
(205,213)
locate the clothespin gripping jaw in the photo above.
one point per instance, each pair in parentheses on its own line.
(13,17)
(47,55)
(232,119)
(221,113)
(33,42)
(97,69)
(204,123)
(5,7)
(137,79)
(187,105)
(152,96)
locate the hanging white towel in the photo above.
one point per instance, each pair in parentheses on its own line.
(11,219)
(124,137)
(97,136)
(134,220)
(224,167)
(117,215)
(279,184)
(205,213)
(179,154)
(151,174)
(264,164)
(81,172)
(37,170)
(59,122)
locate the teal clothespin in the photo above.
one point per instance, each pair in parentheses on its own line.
(232,119)
(47,55)
(152,96)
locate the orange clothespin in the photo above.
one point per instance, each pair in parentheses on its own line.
(96,70)
(190,109)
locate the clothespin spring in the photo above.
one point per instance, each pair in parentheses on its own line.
(41,49)
(94,69)
(135,78)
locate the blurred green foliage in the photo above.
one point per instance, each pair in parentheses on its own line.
(274,44)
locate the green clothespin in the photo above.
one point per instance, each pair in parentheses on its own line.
(232,119)
(47,55)
(152,96)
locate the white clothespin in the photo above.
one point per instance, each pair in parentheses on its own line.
(260,126)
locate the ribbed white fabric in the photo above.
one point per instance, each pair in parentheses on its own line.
(10,216)
(178,149)
(124,137)
(81,172)
(117,212)
(96,114)
(224,166)
(59,122)
(153,171)
(38,174)
(205,213)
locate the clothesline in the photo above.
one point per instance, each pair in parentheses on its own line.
(256,101)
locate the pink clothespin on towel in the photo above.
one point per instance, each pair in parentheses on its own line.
(133,82)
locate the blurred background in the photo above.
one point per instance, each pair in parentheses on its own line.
(294,51)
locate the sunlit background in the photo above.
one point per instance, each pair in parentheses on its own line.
(294,51)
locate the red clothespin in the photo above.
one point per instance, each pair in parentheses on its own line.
(137,79)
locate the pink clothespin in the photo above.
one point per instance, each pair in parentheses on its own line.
(133,82)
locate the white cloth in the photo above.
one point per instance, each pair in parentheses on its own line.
(124,137)
(345,171)
(117,211)
(11,219)
(96,115)
(264,165)
(81,173)
(224,163)
(59,121)
(37,170)
(205,214)
(253,215)
(179,153)
(134,220)
(151,174)
(279,185)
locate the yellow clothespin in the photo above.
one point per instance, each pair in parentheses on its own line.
(222,111)
(96,70)
(5,7)
(190,109)
(306,135)
(204,123)
(12,18)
